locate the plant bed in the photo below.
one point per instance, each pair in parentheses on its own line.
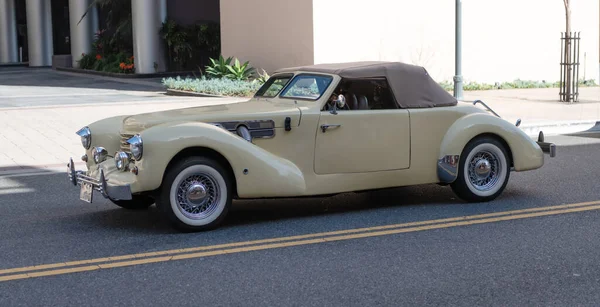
(171,92)
(215,87)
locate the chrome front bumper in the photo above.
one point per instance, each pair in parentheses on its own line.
(114,192)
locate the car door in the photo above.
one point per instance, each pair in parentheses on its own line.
(361,141)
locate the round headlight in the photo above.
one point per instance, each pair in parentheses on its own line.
(86,137)
(136,147)
(100,154)
(121,160)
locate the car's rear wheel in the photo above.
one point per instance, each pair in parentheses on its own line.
(484,170)
(196,194)
(137,202)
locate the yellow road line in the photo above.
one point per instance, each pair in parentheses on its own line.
(348,236)
(289,238)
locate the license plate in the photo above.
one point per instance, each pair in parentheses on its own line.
(86,192)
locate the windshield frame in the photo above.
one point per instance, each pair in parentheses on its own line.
(270,82)
(303,74)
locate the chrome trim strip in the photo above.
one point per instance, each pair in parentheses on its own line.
(263,129)
(447,168)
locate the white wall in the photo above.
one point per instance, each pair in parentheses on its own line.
(502,40)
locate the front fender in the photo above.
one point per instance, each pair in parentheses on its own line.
(267,175)
(526,154)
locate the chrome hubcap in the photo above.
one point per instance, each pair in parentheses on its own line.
(484,170)
(198,196)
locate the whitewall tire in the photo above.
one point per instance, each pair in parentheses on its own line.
(196,194)
(484,170)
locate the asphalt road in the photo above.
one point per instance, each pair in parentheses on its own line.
(542,255)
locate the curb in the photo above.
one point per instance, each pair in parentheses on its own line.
(171,92)
(561,127)
(25,64)
(124,76)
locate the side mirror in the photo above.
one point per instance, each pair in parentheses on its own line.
(340,103)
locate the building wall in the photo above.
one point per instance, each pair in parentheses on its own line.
(502,40)
(269,33)
(188,12)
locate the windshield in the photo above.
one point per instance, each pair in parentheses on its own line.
(273,86)
(306,86)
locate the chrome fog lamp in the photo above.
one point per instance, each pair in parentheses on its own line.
(136,147)
(121,160)
(86,137)
(100,154)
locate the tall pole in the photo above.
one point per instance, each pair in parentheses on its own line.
(458,82)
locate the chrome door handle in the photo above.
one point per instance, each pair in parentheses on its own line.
(325,127)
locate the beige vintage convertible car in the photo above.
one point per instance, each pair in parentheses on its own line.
(308,131)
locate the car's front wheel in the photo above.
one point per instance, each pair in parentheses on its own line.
(196,194)
(137,202)
(484,169)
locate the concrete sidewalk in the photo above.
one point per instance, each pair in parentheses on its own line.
(44,137)
(539,109)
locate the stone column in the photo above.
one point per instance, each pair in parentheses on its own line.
(82,33)
(147,18)
(39,32)
(8,32)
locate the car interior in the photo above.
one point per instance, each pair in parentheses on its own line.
(365,94)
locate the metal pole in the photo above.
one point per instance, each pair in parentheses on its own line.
(458,82)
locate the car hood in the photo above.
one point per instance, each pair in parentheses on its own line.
(253,109)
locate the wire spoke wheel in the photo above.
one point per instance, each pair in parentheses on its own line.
(197,196)
(484,170)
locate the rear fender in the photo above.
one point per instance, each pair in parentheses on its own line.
(258,173)
(525,152)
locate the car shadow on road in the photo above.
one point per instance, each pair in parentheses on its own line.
(52,195)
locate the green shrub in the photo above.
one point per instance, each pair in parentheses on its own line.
(218,68)
(516,84)
(222,68)
(239,71)
(213,86)
(87,61)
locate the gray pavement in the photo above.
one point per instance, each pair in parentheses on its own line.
(537,261)
(31,87)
